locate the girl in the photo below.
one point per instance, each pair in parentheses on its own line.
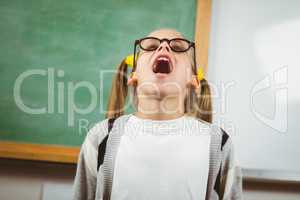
(168,148)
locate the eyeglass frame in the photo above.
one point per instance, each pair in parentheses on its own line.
(191,44)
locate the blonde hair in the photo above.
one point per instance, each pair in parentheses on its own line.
(196,104)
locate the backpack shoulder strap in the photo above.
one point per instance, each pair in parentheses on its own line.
(102,145)
(217,185)
(225,137)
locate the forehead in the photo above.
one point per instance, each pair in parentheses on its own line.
(166,33)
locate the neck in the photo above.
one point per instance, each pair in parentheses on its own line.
(160,109)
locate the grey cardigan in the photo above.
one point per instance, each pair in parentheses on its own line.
(224,179)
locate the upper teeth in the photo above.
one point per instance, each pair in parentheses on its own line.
(163,58)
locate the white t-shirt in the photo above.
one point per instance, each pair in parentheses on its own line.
(162,159)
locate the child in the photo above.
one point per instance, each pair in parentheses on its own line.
(168,148)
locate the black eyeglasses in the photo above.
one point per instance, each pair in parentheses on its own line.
(176,44)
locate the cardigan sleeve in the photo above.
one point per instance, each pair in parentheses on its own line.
(231,179)
(85,182)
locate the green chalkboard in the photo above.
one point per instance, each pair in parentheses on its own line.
(55,52)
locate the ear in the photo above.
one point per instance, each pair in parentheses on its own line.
(194,82)
(132,79)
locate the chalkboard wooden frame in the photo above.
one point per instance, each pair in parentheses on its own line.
(63,154)
(41,152)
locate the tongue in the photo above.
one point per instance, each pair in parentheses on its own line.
(162,67)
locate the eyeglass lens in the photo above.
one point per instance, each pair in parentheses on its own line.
(177,45)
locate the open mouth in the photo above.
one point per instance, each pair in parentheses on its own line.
(162,65)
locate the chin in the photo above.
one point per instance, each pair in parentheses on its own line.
(160,88)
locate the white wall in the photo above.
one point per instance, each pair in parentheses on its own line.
(254,47)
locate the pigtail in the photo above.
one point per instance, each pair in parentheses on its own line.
(204,102)
(118,92)
(198,102)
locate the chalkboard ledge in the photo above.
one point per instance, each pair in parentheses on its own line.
(264,175)
(41,152)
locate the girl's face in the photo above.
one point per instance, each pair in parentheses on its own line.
(163,72)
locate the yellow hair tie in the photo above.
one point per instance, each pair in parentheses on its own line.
(129,60)
(200,74)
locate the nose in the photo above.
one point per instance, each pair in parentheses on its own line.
(164,45)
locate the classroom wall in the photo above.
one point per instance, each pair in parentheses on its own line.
(34,180)
(31,180)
